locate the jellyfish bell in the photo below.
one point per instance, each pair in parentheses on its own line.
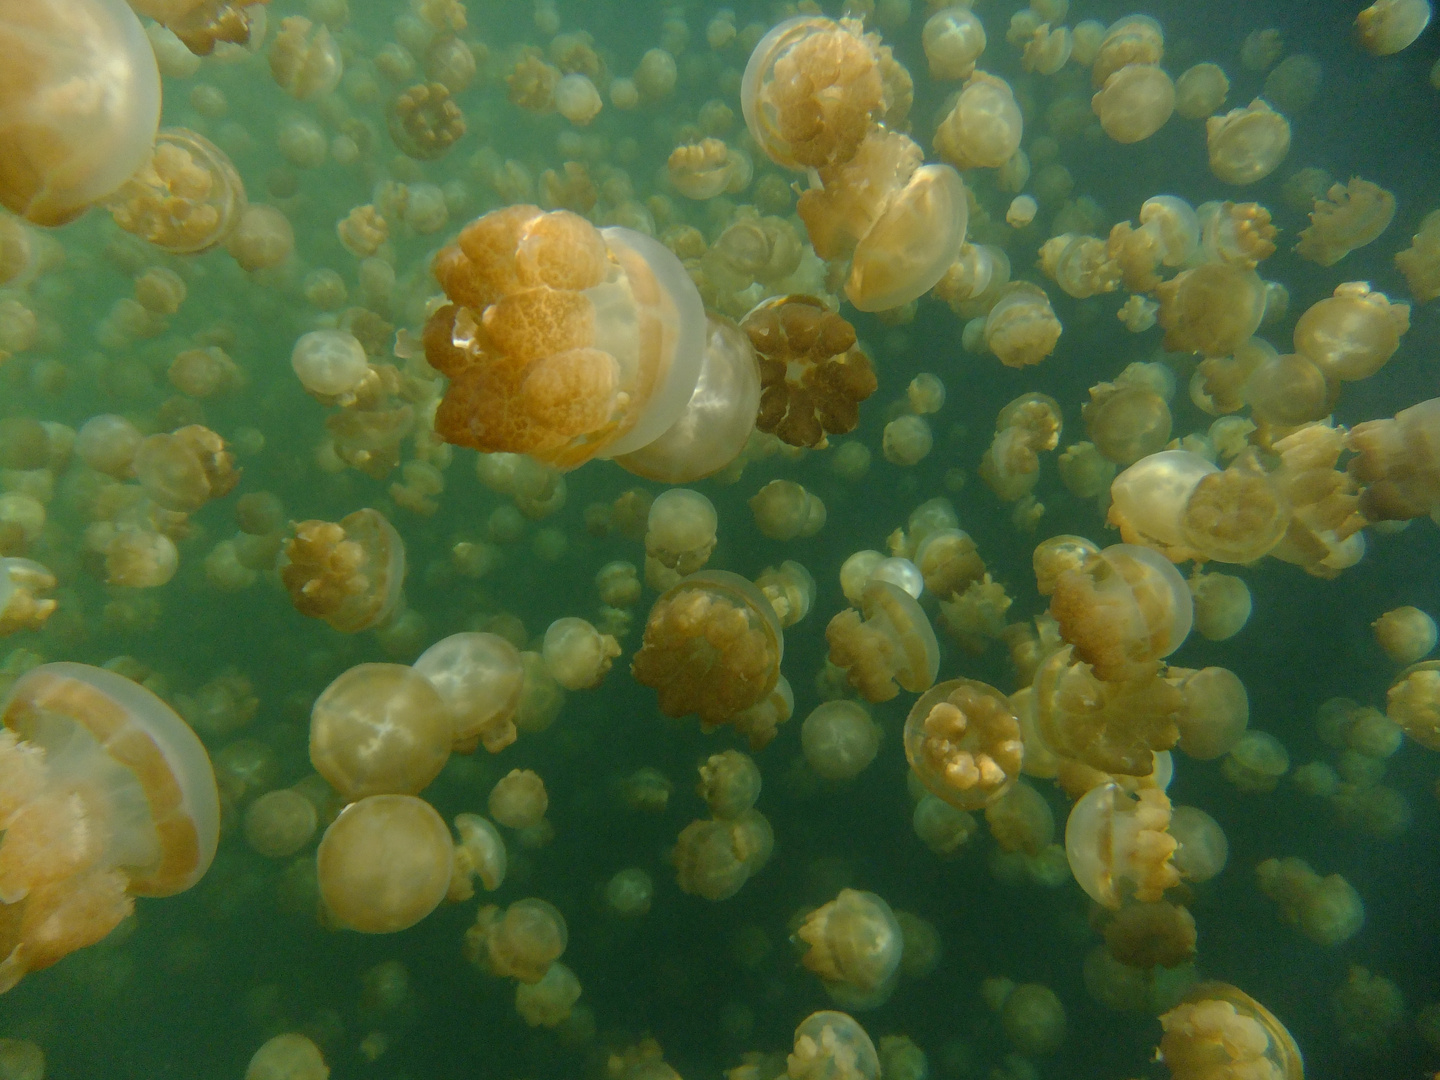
(185,198)
(912,243)
(479,677)
(563,341)
(1118,845)
(1148,500)
(1217,1026)
(384,863)
(718,419)
(143,823)
(81,101)
(963,741)
(889,641)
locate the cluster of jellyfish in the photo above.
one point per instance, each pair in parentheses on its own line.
(593,314)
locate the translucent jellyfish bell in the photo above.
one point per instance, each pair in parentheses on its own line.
(1148,499)
(1219,1030)
(563,341)
(893,643)
(479,677)
(186,198)
(384,863)
(107,794)
(81,101)
(912,243)
(1118,845)
(716,422)
(963,741)
(832,1046)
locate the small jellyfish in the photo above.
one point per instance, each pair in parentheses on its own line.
(889,642)
(839,739)
(1119,845)
(385,863)
(963,741)
(1218,1030)
(712,647)
(854,946)
(1389,26)
(380,729)
(185,199)
(305,60)
(349,573)
(1247,144)
(479,677)
(832,1046)
(518,942)
(425,122)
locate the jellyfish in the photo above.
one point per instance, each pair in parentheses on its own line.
(1351,335)
(712,647)
(83,105)
(888,642)
(479,677)
(1212,309)
(854,946)
(380,729)
(729,784)
(953,39)
(23,605)
(105,794)
(1021,328)
(832,1046)
(1413,702)
(536,344)
(288,1056)
(1420,262)
(349,573)
(1119,845)
(1406,633)
(1327,910)
(983,130)
(1124,609)
(963,742)
(305,59)
(185,199)
(1221,1031)
(679,536)
(384,863)
(786,511)
(1349,217)
(1247,144)
(839,739)
(1214,710)
(519,800)
(1135,102)
(1399,462)
(714,858)
(1389,26)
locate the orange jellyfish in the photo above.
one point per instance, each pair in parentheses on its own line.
(105,794)
(1119,845)
(349,572)
(1218,1032)
(384,863)
(889,641)
(963,741)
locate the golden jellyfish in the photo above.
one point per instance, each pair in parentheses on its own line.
(1200,91)
(185,199)
(425,122)
(22,603)
(289,1056)
(1021,328)
(1081,265)
(1256,762)
(1420,262)
(712,647)
(1133,39)
(576,99)
(519,942)
(1294,83)
(964,743)
(1214,710)
(948,561)
(1241,234)
(1247,144)
(702,170)
(1135,102)
(889,641)
(729,784)
(1327,910)
(105,794)
(679,535)
(519,799)
(1413,702)
(480,853)
(1289,390)
(1203,849)
(330,364)
(1236,515)
(479,677)
(1124,609)
(551,1001)
(942,828)
(839,739)
(1054,556)
(384,863)
(713,859)
(1021,821)
(536,344)
(1351,334)
(349,573)
(185,469)
(1026,427)
(82,101)
(784,510)
(1349,217)
(1212,309)
(1148,501)
(832,1046)
(907,440)
(1032,1015)
(1113,727)
(280,823)
(812,89)
(380,729)
(953,39)
(1405,633)
(790,590)
(305,59)
(983,130)
(1389,26)
(576,655)
(261,238)
(1126,421)
(854,946)
(1399,462)
(1222,605)
(1119,846)
(1219,1032)
(1148,935)
(629,893)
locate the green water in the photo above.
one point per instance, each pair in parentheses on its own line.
(193,985)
